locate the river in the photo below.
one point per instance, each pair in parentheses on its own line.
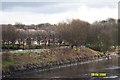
(110,67)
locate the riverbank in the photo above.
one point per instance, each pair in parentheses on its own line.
(48,59)
(55,67)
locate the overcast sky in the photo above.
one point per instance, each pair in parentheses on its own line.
(44,11)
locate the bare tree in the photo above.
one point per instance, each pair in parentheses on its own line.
(8,34)
(21,36)
(74,32)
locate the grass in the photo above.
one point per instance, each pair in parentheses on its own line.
(94,52)
(6,64)
(34,56)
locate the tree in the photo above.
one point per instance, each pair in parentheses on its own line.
(8,34)
(19,25)
(21,36)
(106,34)
(119,32)
(74,32)
(28,40)
(41,35)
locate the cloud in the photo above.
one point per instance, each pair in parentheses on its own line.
(15,5)
(47,8)
(54,7)
(54,12)
(119,10)
(93,3)
(59,0)
(83,12)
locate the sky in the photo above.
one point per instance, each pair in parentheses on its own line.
(54,11)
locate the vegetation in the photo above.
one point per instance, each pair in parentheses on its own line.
(23,58)
(73,41)
(100,35)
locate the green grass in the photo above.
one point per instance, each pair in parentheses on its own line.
(7,63)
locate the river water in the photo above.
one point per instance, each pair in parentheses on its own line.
(110,67)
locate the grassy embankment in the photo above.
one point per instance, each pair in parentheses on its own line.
(23,58)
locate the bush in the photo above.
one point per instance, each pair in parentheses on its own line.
(14,47)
